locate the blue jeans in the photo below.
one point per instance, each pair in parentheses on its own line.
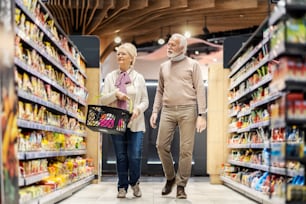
(128,150)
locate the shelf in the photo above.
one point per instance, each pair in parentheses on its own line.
(295,202)
(260,145)
(233,114)
(288,84)
(239,75)
(250,72)
(238,146)
(256,104)
(50,35)
(260,124)
(251,193)
(46,154)
(266,79)
(21,155)
(45,55)
(246,146)
(287,48)
(290,172)
(280,12)
(37,126)
(33,179)
(302,160)
(20,181)
(69,40)
(268,99)
(62,193)
(281,122)
(232,130)
(254,38)
(22,65)
(65,192)
(36,99)
(250,165)
(274,170)
(244,113)
(50,105)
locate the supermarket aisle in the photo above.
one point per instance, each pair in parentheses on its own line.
(199,191)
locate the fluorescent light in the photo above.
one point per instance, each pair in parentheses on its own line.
(151,83)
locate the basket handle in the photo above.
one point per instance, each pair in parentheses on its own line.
(130,105)
(129,101)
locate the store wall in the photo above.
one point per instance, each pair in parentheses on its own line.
(93,139)
(217,121)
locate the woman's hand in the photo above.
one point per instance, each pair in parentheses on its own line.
(122,96)
(135,114)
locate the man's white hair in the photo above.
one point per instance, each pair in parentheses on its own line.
(183,41)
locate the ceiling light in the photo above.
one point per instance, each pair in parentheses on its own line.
(117,39)
(187,34)
(161,41)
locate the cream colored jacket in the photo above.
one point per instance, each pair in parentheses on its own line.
(136,90)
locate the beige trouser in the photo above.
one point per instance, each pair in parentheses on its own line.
(185,118)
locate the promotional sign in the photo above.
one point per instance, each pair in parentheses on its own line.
(8,108)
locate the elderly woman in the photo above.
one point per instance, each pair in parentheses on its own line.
(125,88)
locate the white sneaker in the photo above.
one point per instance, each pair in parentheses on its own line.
(121,193)
(136,190)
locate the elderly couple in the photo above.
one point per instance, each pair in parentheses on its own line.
(184,109)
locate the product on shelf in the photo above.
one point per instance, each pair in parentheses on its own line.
(267,108)
(50,75)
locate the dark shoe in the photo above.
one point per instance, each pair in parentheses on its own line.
(168,187)
(180,192)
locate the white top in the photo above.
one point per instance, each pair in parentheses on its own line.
(136,90)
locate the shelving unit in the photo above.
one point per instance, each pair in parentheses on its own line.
(50,73)
(263,88)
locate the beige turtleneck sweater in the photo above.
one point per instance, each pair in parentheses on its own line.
(180,83)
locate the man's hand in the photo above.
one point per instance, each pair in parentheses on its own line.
(201,124)
(153,120)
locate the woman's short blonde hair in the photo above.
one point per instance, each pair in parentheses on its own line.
(131,50)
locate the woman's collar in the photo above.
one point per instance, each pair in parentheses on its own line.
(127,71)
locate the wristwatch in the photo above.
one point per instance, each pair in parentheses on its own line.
(202,114)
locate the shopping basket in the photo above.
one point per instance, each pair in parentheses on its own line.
(107,119)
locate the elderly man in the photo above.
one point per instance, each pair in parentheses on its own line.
(180,96)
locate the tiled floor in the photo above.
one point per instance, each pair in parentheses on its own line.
(199,191)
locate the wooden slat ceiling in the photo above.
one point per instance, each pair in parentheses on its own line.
(146,20)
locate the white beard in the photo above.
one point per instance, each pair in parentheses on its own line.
(172,55)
